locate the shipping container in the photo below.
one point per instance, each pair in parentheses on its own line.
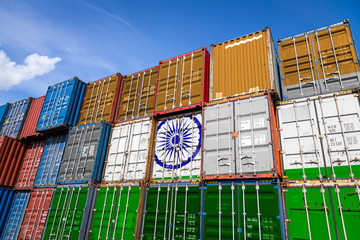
(10,160)
(84,154)
(129,152)
(244,65)
(116,212)
(240,138)
(177,153)
(183,82)
(69,213)
(320,61)
(32,118)
(30,163)
(6,200)
(3,111)
(4,141)
(49,165)
(138,95)
(242,210)
(61,106)
(320,136)
(322,210)
(35,214)
(15,118)
(100,100)
(172,211)
(16,214)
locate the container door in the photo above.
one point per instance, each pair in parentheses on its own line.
(301,148)
(340,125)
(177,148)
(254,151)
(172,213)
(14,118)
(130,96)
(146,98)
(218,144)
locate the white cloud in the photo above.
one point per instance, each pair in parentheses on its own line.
(12,74)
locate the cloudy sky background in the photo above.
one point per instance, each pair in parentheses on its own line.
(45,42)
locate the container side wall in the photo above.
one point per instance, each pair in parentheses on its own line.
(32,118)
(3,111)
(6,200)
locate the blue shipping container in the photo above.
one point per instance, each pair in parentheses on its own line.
(50,162)
(61,105)
(3,110)
(16,216)
(15,118)
(6,199)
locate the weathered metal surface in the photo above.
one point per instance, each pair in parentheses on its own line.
(28,130)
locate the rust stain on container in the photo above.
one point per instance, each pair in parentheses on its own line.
(100,100)
(244,65)
(138,94)
(183,82)
(32,118)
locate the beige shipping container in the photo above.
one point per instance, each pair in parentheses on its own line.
(319,61)
(244,65)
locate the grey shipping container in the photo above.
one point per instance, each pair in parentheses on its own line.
(84,153)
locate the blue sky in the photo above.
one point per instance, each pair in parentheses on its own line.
(45,42)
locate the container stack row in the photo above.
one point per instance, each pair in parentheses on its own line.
(241,142)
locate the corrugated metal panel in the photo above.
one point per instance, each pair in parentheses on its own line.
(69,213)
(171,211)
(32,118)
(244,65)
(242,210)
(138,94)
(128,155)
(115,213)
(100,100)
(6,199)
(319,61)
(10,162)
(183,82)
(62,105)
(15,217)
(240,139)
(50,161)
(3,111)
(15,118)
(177,153)
(4,141)
(320,137)
(84,154)
(29,165)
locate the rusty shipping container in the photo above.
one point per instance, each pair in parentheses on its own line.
(29,165)
(10,160)
(320,61)
(244,65)
(36,214)
(138,94)
(183,82)
(32,118)
(100,100)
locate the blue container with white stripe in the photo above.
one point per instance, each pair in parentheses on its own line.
(15,118)
(3,111)
(61,106)
(16,216)
(6,199)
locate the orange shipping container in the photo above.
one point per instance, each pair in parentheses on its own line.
(244,65)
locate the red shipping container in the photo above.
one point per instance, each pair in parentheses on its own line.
(3,142)
(10,161)
(32,118)
(36,214)
(29,165)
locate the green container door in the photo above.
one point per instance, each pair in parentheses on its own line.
(235,211)
(115,213)
(66,213)
(172,212)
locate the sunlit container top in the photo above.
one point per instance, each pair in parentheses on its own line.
(15,118)
(62,105)
(3,111)
(32,118)
(100,100)
(244,65)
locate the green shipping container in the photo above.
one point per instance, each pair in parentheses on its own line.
(115,213)
(172,212)
(243,210)
(69,212)
(323,212)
